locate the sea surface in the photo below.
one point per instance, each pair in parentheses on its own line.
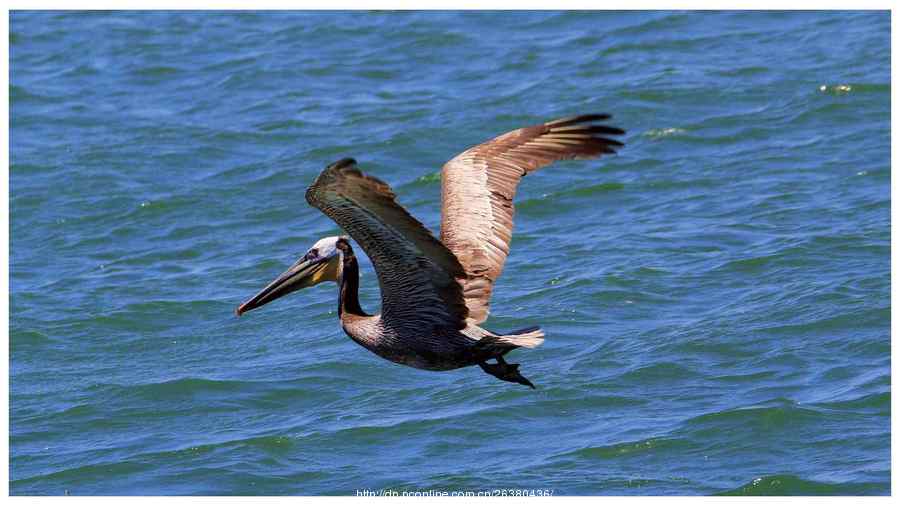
(716,297)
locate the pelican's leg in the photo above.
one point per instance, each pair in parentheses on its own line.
(506,372)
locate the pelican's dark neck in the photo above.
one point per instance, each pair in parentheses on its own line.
(349,298)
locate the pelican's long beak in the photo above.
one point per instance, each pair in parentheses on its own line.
(302,274)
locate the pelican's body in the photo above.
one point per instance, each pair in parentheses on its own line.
(402,340)
(434,294)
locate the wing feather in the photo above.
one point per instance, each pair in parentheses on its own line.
(416,272)
(478,187)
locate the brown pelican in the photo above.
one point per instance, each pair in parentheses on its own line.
(435,293)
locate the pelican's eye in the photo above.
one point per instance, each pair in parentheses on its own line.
(312,254)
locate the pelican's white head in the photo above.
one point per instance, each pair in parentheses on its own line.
(321,263)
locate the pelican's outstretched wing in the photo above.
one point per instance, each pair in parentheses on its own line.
(417,274)
(479,184)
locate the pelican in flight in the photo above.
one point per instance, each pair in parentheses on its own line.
(435,294)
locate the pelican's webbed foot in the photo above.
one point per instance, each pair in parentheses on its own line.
(506,372)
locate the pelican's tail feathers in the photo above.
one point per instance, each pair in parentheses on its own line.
(530,337)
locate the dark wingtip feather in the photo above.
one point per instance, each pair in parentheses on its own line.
(584,125)
(611,142)
(584,118)
(603,129)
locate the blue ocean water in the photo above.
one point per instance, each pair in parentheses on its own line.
(716,297)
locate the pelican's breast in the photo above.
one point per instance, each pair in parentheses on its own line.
(411,347)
